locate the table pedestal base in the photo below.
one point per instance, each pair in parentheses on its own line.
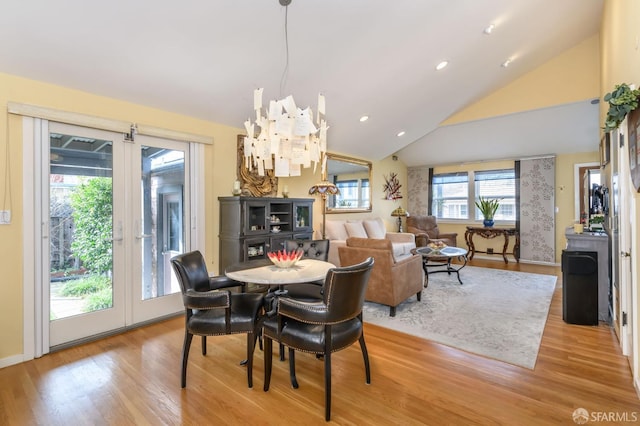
(448,268)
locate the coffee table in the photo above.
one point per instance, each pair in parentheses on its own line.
(442,259)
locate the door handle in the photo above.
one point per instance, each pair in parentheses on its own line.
(140,236)
(625,254)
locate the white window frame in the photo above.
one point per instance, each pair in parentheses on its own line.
(470,197)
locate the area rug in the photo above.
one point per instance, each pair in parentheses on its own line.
(495,313)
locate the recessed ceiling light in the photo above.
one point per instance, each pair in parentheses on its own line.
(364,118)
(401,133)
(442,65)
(489,29)
(506,63)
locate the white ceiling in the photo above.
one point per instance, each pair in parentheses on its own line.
(203,58)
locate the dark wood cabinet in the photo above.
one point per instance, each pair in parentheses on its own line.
(250,227)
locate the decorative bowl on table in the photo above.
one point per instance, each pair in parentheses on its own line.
(284,259)
(436,246)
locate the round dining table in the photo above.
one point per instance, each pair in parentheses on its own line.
(264,272)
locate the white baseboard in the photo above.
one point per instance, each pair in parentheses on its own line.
(499,258)
(12,360)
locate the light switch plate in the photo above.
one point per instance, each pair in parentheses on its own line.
(5,217)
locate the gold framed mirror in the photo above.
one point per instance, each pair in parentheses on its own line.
(353,177)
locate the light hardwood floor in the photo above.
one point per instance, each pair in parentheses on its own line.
(133,378)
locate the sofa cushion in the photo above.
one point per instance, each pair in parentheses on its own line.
(355,229)
(336,230)
(375,228)
(402,250)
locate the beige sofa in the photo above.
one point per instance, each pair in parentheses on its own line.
(392,281)
(337,231)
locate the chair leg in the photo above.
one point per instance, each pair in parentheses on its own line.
(281,348)
(204,345)
(365,355)
(392,311)
(327,385)
(419,295)
(251,344)
(185,356)
(292,368)
(267,362)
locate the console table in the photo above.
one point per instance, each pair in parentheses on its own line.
(491,233)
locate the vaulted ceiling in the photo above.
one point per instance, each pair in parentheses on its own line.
(368,57)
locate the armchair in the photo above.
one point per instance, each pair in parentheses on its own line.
(322,327)
(211,310)
(393,279)
(426,229)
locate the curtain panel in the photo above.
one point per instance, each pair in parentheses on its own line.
(537,210)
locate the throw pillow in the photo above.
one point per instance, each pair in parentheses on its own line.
(356,229)
(375,228)
(336,230)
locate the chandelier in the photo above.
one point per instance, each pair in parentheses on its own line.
(284,137)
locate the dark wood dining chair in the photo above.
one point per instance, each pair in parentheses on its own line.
(322,327)
(211,309)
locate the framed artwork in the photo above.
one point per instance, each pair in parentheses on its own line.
(605,149)
(633,125)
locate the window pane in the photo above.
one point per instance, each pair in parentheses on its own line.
(497,185)
(449,196)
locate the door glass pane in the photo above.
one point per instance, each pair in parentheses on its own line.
(80,225)
(163,233)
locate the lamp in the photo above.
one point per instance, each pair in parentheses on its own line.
(399,213)
(324,188)
(284,137)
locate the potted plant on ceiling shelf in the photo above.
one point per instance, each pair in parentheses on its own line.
(622,100)
(488,208)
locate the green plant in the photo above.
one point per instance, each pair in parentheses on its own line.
(103,299)
(86,285)
(622,100)
(488,207)
(92,216)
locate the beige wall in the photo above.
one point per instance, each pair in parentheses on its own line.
(570,77)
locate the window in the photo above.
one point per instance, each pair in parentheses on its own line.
(450,196)
(453,195)
(497,185)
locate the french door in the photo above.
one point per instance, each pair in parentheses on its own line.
(116,211)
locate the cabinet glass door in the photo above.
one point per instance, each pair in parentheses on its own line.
(302,216)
